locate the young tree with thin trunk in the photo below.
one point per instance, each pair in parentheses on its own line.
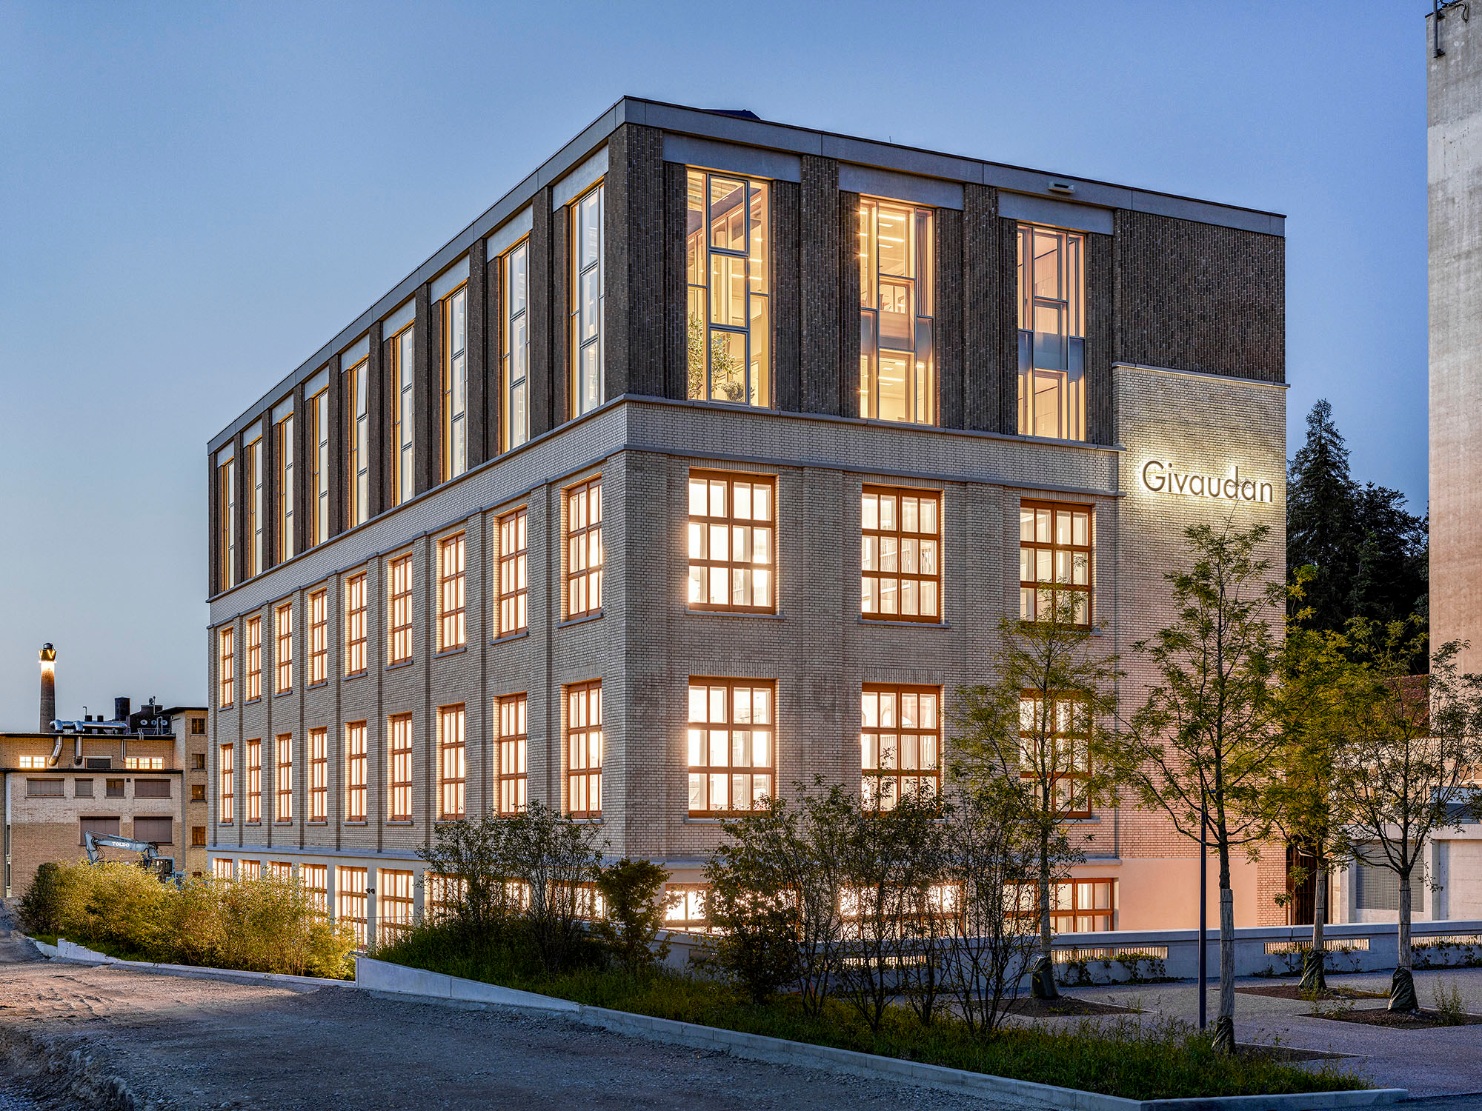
(1205,738)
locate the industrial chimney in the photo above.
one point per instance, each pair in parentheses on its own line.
(48,687)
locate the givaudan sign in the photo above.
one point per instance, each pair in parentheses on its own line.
(1165,478)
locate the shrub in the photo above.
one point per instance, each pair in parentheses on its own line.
(633,893)
(40,908)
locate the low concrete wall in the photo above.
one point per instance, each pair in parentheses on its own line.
(397,979)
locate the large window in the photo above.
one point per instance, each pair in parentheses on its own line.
(584,750)
(257,511)
(1083,906)
(284,450)
(399,768)
(399,609)
(283,779)
(451,763)
(351,900)
(900,744)
(900,560)
(318,775)
(588,289)
(403,377)
(514,746)
(732,555)
(514,285)
(450,593)
(318,637)
(254,659)
(1052,347)
(897,364)
(355,624)
(283,655)
(395,901)
(584,552)
(319,467)
(455,383)
(355,759)
(1054,749)
(254,781)
(731,745)
(227,796)
(315,878)
(727,271)
(1055,562)
(226,520)
(514,583)
(357,444)
(226,667)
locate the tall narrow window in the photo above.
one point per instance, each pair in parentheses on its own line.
(226,520)
(399,610)
(588,290)
(727,268)
(351,900)
(394,903)
(1054,750)
(584,552)
(254,781)
(897,368)
(455,383)
(399,768)
(900,744)
(254,659)
(514,585)
(283,657)
(1052,347)
(514,745)
(284,449)
(257,510)
(318,637)
(514,285)
(451,763)
(355,790)
(357,444)
(315,878)
(403,378)
(226,668)
(227,805)
(283,778)
(319,467)
(355,624)
(584,750)
(1055,563)
(451,632)
(900,554)
(731,542)
(731,749)
(318,775)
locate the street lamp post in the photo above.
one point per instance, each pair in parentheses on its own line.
(1203,905)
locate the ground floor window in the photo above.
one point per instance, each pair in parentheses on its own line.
(684,907)
(315,878)
(251,869)
(223,868)
(1083,906)
(281,870)
(395,903)
(443,894)
(352,901)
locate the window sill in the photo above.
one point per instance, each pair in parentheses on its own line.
(355,822)
(582,619)
(227,706)
(250,701)
(280,694)
(356,675)
(458,651)
(905,622)
(399,664)
(317,822)
(518,634)
(283,822)
(398,821)
(698,611)
(450,820)
(587,819)
(319,683)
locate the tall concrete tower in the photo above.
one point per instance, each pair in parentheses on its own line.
(48,687)
(1454,190)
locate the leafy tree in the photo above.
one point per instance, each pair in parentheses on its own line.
(632,891)
(1206,736)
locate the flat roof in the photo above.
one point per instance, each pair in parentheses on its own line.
(732,128)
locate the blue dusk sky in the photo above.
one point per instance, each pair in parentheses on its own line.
(194,197)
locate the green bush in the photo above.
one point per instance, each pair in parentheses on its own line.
(40,907)
(633,893)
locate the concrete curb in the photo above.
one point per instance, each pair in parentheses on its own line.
(65,950)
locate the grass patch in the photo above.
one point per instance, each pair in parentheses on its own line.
(1120,1057)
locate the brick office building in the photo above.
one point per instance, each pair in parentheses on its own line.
(710,458)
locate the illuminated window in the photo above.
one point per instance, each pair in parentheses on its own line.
(33,762)
(731,745)
(142,763)
(399,610)
(455,383)
(732,556)
(399,768)
(450,593)
(357,442)
(254,658)
(318,637)
(897,369)
(197,791)
(226,667)
(226,519)
(254,781)
(514,744)
(900,744)
(226,807)
(223,868)
(514,584)
(283,658)
(250,869)
(584,552)
(684,906)
(283,779)
(514,286)
(588,290)
(1055,563)
(318,775)
(351,900)
(901,573)
(1083,906)
(284,447)
(443,896)
(315,880)
(451,763)
(281,870)
(1054,748)
(319,467)
(402,377)
(394,902)
(1052,347)
(257,513)
(355,624)
(727,272)
(355,761)
(584,750)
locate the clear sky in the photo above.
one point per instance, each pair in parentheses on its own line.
(194,197)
